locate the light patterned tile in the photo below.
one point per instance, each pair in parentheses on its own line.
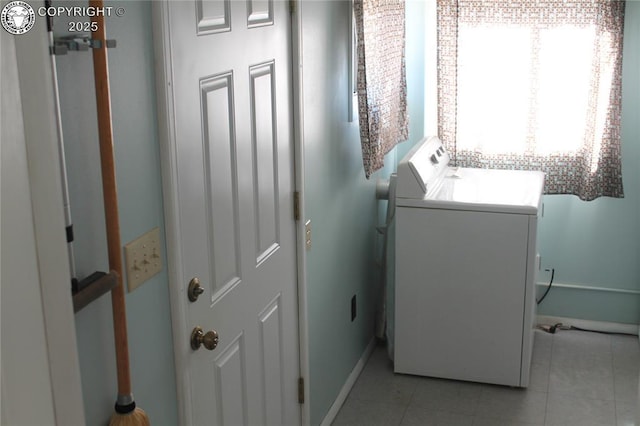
(447,395)
(626,385)
(377,364)
(415,416)
(595,383)
(626,352)
(581,357)
(592,380)
(378,382)
(512,404)
(542,343)
(582,365)
(570,411)
(492,421)
(539,377)
(581,348)
(364,413)
(628,413)
(388,388)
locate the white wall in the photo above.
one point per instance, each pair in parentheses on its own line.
(40,377)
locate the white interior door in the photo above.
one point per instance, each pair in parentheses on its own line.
(230,83)
(40,377)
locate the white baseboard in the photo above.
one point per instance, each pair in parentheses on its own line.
(607,327)
(351,380)
(544,285)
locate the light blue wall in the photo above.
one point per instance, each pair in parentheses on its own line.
(597,243)
(340,202)
(341,205)
(140,206)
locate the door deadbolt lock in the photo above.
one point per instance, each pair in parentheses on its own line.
(209,339)
(194,290)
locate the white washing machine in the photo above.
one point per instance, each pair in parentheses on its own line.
(466,265)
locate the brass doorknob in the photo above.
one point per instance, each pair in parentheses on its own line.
(209,339)
(195,289)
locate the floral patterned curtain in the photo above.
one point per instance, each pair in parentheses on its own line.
(534,85)
(382,84)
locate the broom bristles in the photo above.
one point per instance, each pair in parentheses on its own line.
(136,417)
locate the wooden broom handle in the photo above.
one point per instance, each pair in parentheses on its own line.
(110,194)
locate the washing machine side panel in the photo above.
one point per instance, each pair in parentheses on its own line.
(460,294)
(530,306)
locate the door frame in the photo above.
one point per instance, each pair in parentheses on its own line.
(45,306)
(167,138)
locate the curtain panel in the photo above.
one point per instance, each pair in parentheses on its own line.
(533,111)
(381,79)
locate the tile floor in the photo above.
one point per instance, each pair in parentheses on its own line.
(577,379)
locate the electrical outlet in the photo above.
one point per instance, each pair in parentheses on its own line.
(353,308)
(142,257)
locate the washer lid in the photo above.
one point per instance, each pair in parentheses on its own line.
(508,191)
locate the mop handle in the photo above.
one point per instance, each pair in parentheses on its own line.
(61,155)
(110,194)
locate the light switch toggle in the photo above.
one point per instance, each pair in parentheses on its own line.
(142,257)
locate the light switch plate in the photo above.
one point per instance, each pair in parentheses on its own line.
(307,234)
(143,258)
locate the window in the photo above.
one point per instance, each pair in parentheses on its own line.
(527,84)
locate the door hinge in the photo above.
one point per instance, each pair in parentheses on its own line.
(301,390)
(296,205)
(292,6)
